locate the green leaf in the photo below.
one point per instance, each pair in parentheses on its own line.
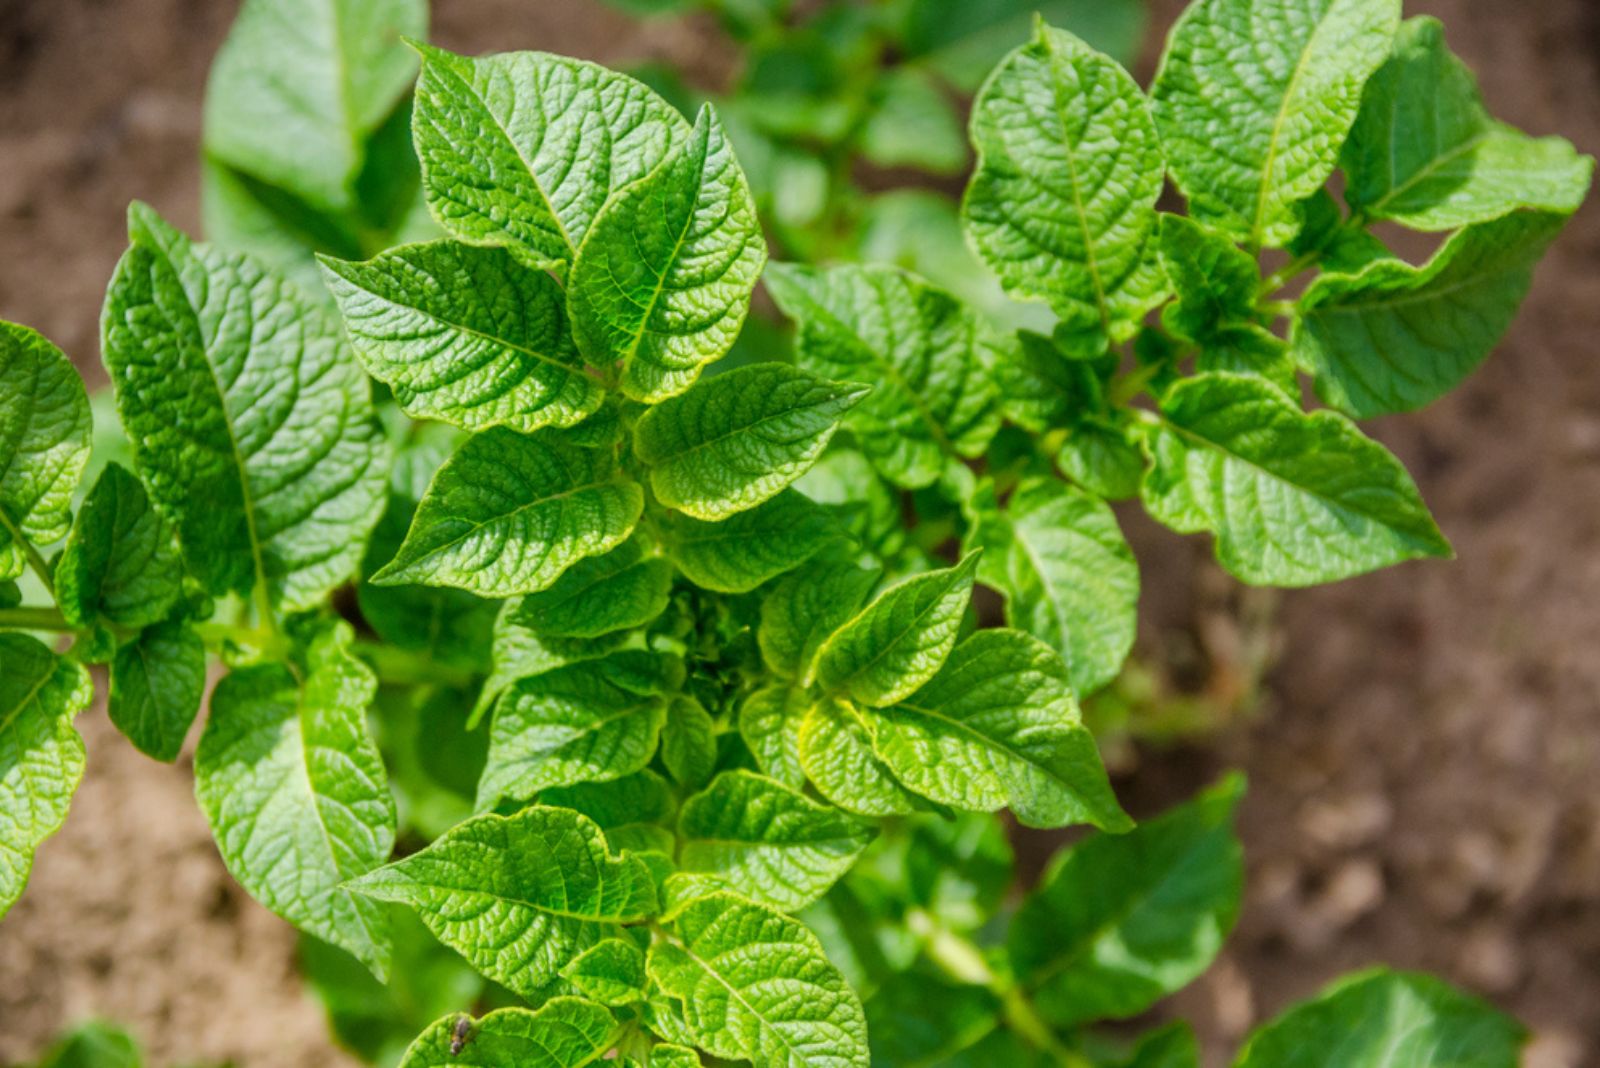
(1123,920)
(663,278)
(837,754)
(1104,458)
(252,425)
(803,610)
(767,841)
(586,722)
(41,755)
(561,1033)
(519,896)
(633,811)
(747,549)
(898,641)
(1250,349)
(912,123)
(1040,387)
(1293,499)
(1216,281)
(299,86)
(157,681)
(121,562)
(522,149)
(867,508)
(599,595)
(917,346)
(769,722)
(1394,337)
(1254,99)
(754,985)
(1066,571)
(1426,153)
(295,792)
(1062,203)
(689,743)
(44,443)
(519,653)
(929,1020)
(93,1044)
(964,39)
(998,727)
(1383,1019)
(738,439)
(611,972)
(1173,1046)
(508,513)
(468,335)
(667,1055)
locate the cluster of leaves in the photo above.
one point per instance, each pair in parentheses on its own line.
(674,666)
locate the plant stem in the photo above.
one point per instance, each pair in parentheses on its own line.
(40,566)
(31,618)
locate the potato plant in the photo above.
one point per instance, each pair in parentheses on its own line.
(609,703)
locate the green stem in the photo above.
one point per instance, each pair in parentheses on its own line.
(1288,273)
(40,566)
(1135,382)
(30,618)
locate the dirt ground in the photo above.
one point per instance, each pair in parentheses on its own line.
(1424,787)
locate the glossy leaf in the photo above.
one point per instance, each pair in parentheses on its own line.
(611,972)
(121,562)
(41,754)
(561,1033)
(767,841)
(1216,281)
(662,280)
(1254,100)
(252,425)
(44,443)
(738,439)
(633,811)
(157,681)
(626,587)
(1293,499)
(468,335)
(803,610)
(295,792)
(838,756)
(689,743)
(519,896)
(769,722)
(747,549)
(509,513)
(1062,203)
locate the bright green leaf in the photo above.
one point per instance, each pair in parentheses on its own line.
(1395,337)
(1426,153)
(1062,203)
(663,278)
(508,513)
(689,743)
(157,681)
(837,754)
(611,972)
(121,562)
(519,653)
(917,346)
(803,610)
(738,439)
(600,595)
(998,727)
(754,985)
(1215,280)
(633,811)
(41,755)
(44,443)
(468,335)
(252,425)
(519,896)
(561,1033)
(1122,920)
(898,641)
(1293,499)
(1254,99)
(295,792)
(767,841)
(769,722)
(747,549)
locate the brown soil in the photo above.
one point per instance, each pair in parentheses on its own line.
(1423,773)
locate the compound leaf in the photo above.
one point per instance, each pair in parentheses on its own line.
(522,149)
(1062,203)
(44,443)
(519,896)
(998,727)
(738,439)
(1293,499)
(1425,152)
(1254,100)
(804,608)
(919,348)
(157,681)
(899,640)
(295,792)
(1395,337)
(750,547)
(1066,571)
(41,755)
(663,278)
(252,425)
(508,513)
(561,1033)
(121,562)
(753,984)
(769,842)
(468,335)
(1379,1019)
(1122,920)
(599,595)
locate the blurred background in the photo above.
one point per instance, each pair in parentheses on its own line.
(1422,744)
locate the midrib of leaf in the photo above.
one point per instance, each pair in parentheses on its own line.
(316,808)
(1427,170)
(649,307)
(1091,254)
(1278,122)
(503,516)
(593,725)
(33,694)
(1414,297)
(493,340)
(737,995)
(548,910)
(893,642)
(770,417)
(986,742)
